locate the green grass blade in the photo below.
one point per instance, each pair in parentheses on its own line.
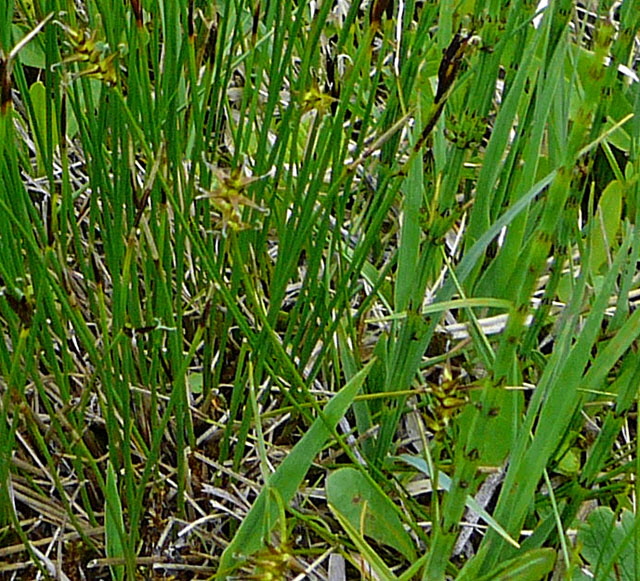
(115,537)
(370,556)
(255,527)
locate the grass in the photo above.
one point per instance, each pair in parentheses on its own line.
(292,289)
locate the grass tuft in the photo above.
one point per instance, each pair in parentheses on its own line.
(290,288)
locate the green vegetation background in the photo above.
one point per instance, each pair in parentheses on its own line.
(286,285)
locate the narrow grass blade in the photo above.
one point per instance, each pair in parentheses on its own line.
(371,557)
(533,565)
(114,524)
(409,249)
(471,503)
(258,522)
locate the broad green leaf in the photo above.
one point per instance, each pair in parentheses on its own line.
(608,545)
(263,515)
(368,510)
(32,54)
(568,457)
(569,464)
(606,225)
(620,138)
(195,382)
